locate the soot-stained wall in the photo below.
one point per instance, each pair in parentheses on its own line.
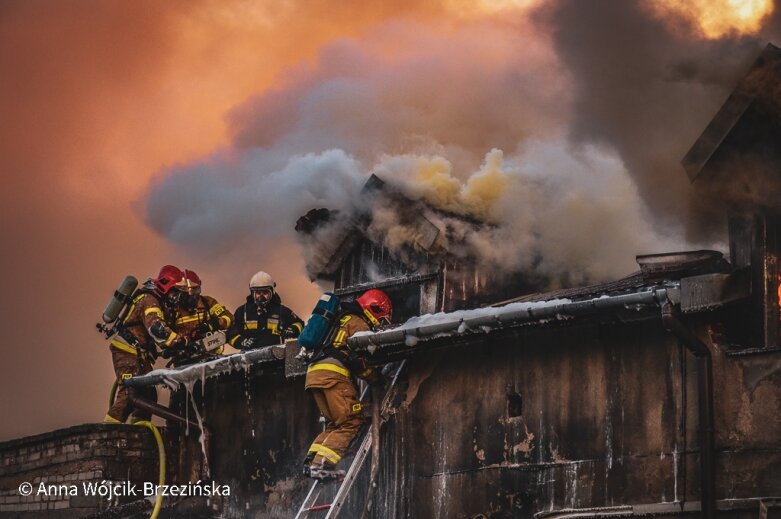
(511,425)
(261,424)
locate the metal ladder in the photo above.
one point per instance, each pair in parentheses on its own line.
(355,467)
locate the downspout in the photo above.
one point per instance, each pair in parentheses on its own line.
(674,325)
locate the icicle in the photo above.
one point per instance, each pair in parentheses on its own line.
(201,437)
(188,389)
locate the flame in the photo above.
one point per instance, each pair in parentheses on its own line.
(714,19)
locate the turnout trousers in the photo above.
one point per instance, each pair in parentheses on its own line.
(127,365)
(337,398)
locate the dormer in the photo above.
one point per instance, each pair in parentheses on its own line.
(410,258)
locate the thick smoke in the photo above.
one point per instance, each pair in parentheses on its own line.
(401,88)
(406,88)
(254,196)
(587,132)
(571,216)
(647,87)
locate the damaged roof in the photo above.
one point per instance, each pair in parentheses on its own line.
(343,233)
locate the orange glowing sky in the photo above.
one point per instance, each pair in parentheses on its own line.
(101,98)
(716,18)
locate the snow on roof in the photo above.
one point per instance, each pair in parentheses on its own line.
(425,327)
(184,375)
(484,320)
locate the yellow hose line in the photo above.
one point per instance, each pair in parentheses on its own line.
(161,451)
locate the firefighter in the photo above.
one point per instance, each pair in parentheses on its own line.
(263,320)
(194,316)
(134,347)
(329,381)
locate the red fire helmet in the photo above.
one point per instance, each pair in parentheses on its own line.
(377,303)
(168,277)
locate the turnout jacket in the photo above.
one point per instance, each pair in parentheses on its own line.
(337,357)
(263,328)
(193,323)
(145,327)
(207,316)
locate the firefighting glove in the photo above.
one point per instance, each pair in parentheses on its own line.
(201,330)
(247,343)
(159,331)
(181,344)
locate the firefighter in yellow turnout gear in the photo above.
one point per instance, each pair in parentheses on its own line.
(329,381)
(194,316)
(142,331)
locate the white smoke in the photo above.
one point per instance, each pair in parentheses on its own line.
(249,196)
(568,214)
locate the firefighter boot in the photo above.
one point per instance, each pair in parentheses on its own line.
(325,472)
(307,468)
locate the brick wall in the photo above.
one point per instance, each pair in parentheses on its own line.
(89,453)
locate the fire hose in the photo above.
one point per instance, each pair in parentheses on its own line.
(161,451)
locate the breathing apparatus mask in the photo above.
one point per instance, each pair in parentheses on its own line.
(262,296)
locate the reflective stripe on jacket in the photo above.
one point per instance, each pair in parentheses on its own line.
(340,355)
(265,328)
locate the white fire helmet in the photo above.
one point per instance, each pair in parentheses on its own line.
(260,280)
(261,287)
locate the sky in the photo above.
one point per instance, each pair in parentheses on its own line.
(137,134)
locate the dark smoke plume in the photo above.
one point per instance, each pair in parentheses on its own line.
(647,88)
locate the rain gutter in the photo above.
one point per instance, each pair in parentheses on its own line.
(513,315)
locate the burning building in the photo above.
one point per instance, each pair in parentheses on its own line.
(658,394)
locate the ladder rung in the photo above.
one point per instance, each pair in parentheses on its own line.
(318,507)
